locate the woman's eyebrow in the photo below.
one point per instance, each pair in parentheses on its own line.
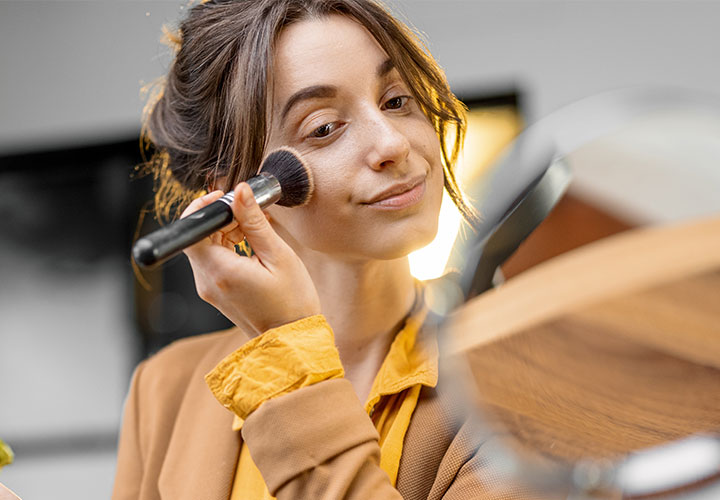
(386,67)
(324,91)
(314,92)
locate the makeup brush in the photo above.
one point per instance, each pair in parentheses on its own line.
(283,178)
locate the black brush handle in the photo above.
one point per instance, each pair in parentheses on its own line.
(168,241)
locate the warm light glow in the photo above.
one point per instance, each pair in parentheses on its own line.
(429,261)
(488,132)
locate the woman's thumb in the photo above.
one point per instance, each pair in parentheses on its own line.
(253,223)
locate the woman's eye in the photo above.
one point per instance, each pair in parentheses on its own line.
(396,102)
(323,130)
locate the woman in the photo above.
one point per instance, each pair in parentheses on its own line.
(328,376)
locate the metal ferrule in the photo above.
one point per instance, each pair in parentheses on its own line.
(265,188)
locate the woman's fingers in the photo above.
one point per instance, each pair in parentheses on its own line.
(232,235)
(253,223)
(218,237)
(201,202)
(249,222)
(268,289)
(229,236)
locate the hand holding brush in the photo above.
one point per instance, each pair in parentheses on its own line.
(283,178)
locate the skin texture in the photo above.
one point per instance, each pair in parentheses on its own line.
(344,254)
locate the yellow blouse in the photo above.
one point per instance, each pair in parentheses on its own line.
(303,353)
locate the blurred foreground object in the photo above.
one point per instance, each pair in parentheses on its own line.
(671,144)
(586,361)
(6,458)
(6,454)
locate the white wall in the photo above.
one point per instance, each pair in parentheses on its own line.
(71,71)
(560,51)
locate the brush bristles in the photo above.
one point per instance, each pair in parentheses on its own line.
(293,175)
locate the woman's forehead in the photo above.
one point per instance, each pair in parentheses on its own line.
(330,50)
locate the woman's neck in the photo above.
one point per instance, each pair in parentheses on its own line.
(366,304)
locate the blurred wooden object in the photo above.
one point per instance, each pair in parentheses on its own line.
(607,349)
(574,222)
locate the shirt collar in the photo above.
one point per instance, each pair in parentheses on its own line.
(411,360)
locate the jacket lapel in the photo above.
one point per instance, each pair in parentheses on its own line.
(203,450)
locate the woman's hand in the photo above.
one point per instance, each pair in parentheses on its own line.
(257,293)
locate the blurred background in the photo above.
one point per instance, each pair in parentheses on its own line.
(75,319)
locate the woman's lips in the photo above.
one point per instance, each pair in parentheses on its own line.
(402,200)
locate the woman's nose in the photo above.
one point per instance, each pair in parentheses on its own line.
(387,144)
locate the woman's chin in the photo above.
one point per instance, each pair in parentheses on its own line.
(403,244)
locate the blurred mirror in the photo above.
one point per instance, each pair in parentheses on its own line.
(595,373)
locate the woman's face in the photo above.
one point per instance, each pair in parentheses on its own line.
(374,156)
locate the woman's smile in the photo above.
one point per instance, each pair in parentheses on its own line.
(400,196)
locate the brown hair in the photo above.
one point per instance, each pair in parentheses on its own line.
(209,119)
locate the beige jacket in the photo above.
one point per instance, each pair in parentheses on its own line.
(314,443)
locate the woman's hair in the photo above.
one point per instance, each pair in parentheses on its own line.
(209,118)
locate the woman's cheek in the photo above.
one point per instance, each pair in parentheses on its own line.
(322,221)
